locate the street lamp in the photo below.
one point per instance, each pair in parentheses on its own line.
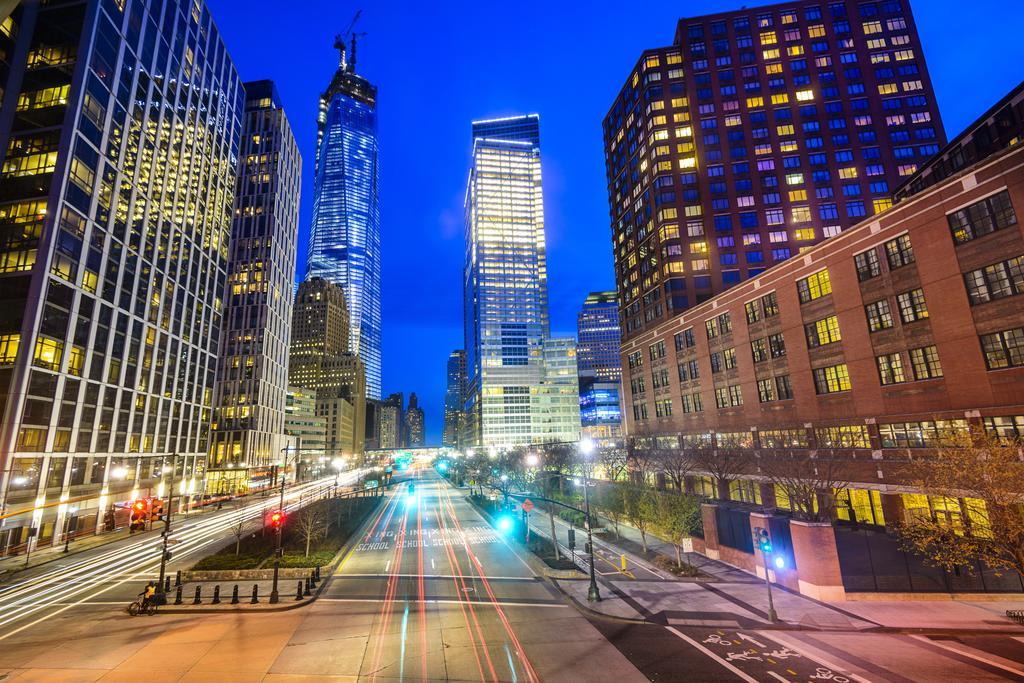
(274,597)
(587,449)
(164,556)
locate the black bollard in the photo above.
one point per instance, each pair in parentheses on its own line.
(307,591)
(234,595)
(298,591)
(216,595)
(312,578)
(255,594)
(199,595)
(177,595)
(167,584)
(318,573)
(177,578)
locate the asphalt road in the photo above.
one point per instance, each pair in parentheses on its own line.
(115,573)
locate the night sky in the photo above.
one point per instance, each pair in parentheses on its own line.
(440,65)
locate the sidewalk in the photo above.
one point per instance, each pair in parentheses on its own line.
(734,598)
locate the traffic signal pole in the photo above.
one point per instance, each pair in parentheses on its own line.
(274,597)
(167,526)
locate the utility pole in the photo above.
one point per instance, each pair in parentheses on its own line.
(167,526)
(587,448)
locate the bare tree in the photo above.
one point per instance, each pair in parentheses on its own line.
(982,476)
(723,464)
(809,480)
(639,507)
(614,462)
(675,463)
(241,529)
(311,524)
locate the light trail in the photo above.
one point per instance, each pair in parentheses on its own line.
(83,580)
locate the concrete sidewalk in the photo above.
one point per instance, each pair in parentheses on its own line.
(732,597)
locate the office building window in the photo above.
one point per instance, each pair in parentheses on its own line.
(890,368)
(814,286)
(868,265)
(985,216)
(822,332)
(996,281)
(833,379)
(925,363)
(879,315)
(899,252)
(912,305)
(1004,349)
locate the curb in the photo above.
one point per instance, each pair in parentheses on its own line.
(331,568)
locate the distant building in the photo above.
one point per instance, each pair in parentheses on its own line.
(555,402)
(453,399)
(414,424)
(599,366)
(506,294)
(320,359)
(249,400)
(392,422)
(307,430)
(344,240)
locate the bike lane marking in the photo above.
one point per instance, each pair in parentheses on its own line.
(971,655)
(830,667)
(711,654)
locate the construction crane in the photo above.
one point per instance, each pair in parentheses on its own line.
(339,40)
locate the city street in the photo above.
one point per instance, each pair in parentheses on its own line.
(110,576)
(429,592)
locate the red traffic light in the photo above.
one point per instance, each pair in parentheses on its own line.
(139,505)
(277,519)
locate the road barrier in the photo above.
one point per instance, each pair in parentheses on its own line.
(216,595)
(198,599)
(234,595)
(298,592)
(255,594)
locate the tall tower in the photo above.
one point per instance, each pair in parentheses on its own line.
(456,374)
(251,393)
(505,287)
(344,241)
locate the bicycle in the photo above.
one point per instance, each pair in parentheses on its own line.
(136,607)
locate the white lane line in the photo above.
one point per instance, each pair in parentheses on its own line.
(787,642)
(967,653)
(778,677)
(432,567)
(711,654)
(387,567)
(524,579)
(442,601)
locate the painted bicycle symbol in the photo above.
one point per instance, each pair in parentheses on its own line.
(717,640)
(821,674)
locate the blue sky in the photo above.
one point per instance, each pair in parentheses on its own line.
(440,65)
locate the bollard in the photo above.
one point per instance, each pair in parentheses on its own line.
(312,579)
(255,594)
(199,598)
(307,591)
(167,584)
(177,578)
(177,595)
(318,573)
(234,595)
(298,591)
(216,595)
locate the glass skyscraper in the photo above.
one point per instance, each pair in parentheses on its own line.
(120,133)
(600,366)
(344,241)
(506,295)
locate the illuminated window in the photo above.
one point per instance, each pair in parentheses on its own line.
(804,95)
(40,99)
(822,332)
(9,344)
(780,98)
(832,379)
(814,286)
(887,88)
(848,173)
(872,27)
(798,195)
(768,38)
(803,234)
(48,353)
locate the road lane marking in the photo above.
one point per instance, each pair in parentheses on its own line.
(778,677)
(814,658)
(711,654)
(387,567)
(965,653)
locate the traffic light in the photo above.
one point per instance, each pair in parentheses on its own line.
(277,518)
(139,513)
(156,510)
(572,539)
(763,540)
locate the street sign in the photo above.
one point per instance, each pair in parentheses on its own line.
(527,505)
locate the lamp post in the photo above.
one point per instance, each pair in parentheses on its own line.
(274,596)
(587,448)
(167,525)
